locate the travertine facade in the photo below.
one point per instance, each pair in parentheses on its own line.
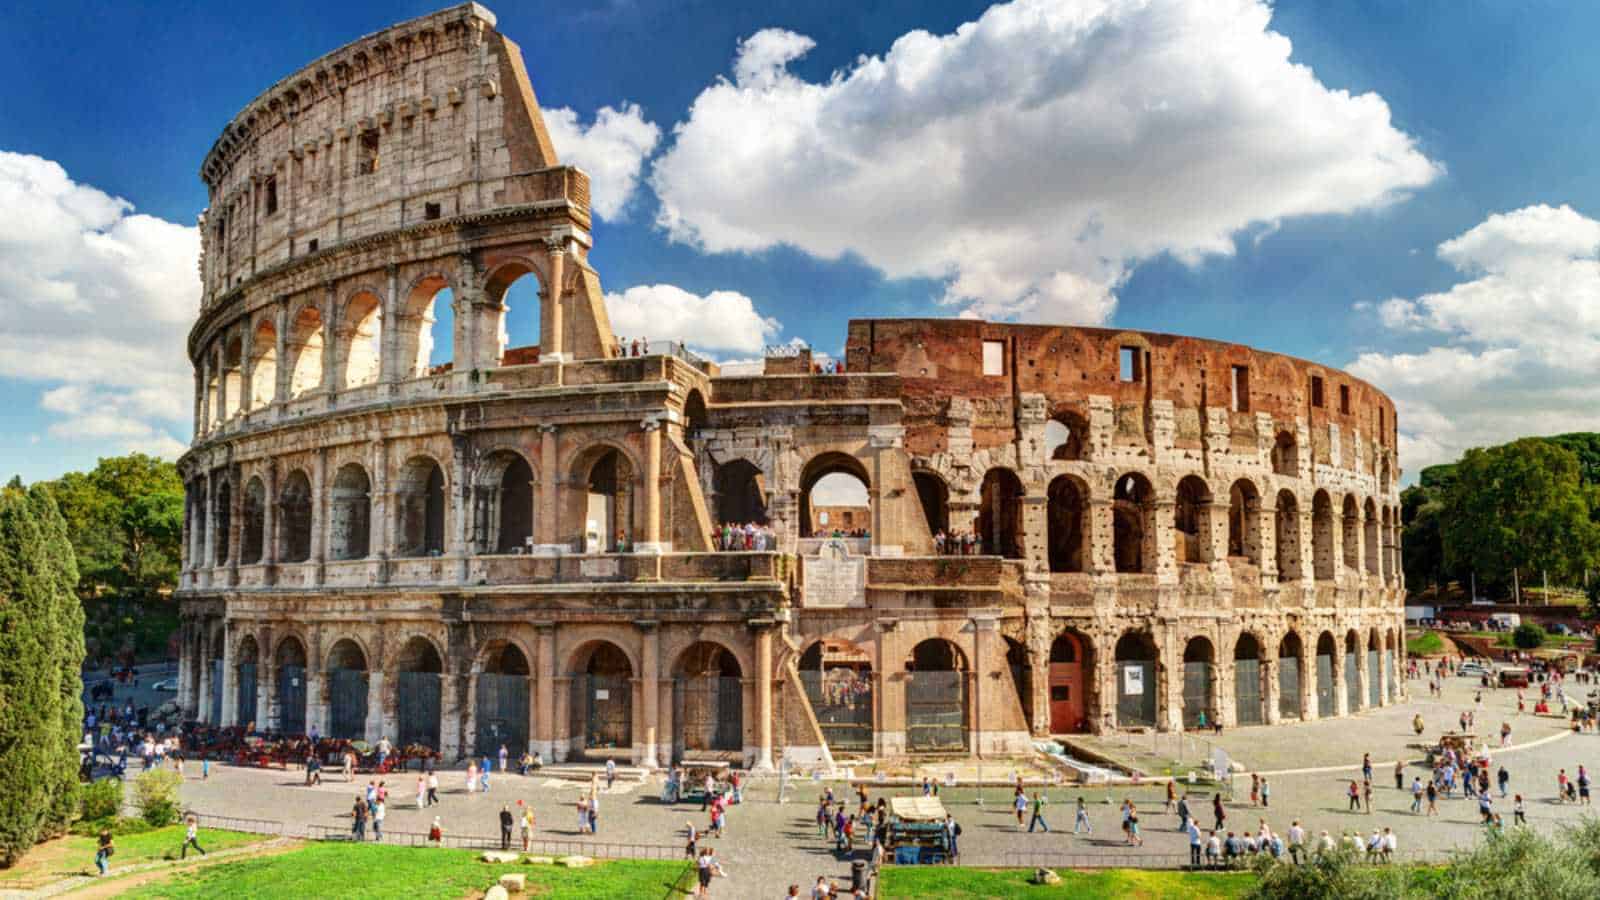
(517,547)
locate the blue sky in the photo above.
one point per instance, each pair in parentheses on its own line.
(1410,193)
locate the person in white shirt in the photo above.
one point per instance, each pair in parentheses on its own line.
(1391,843)
(1297,841)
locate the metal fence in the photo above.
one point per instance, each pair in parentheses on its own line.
(1049,859)
(237,823)
(539,847)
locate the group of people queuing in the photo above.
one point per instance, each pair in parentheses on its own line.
(957,543)
(745,536)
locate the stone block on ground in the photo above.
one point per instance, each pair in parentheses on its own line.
(539,860)
(575,861)
(1045,876)
(496,893)
(514,883)
(500,856)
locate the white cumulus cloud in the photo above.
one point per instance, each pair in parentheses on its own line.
(718,321)
(95,303)
(1032,157)
(612,149)
(1512,349)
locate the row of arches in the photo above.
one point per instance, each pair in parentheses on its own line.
(346,344)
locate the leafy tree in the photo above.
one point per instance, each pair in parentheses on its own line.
(1519,506)
(125,519)
(30,682)
(58,570)
(1528,636)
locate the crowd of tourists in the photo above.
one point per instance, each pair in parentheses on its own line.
(745,536)
(957,543)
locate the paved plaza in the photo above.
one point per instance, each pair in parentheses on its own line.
(770,845)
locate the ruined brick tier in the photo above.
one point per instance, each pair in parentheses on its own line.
(522,546)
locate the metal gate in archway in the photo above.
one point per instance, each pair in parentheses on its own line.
(936,711)
(215,714)
(1289,686)
(1374,685)
(502,713)
(602,711)
(417,702)
(245,694)
(1136,694)
(347,704)
(1352,683)
(292,699)
(710,713)
(1325,685)
(1394,684)
(841,699)
(1196,693)
(1247,691)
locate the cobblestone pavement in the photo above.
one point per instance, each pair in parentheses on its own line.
(770,845)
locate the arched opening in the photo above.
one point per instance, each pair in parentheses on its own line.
(1191,520)
(1199,683)
(1386,563)
(610,503)
(290,662)
(232,381)
(1000,515)
(224,520)
(246,662)
(1069,692)
(350,526)
(741,493)
(934,495)
(835,497)
(252,543)
(1131,511)
(214,665)
(1067,511)
(360,341)
(1352,671)
(516,287)
(502,504)
(1289,676)
(602,699)
(696,418)
(1136,680)
(1352,535)
(195,513)
(418,692)
(936,697)
(347,691)
(1322,536)
(419,508)
(1248,691)
(1371,529)
(502,701)
(1244,521)
(1327,649)
(1391,651)
(1374,671)
(294,520)
(264,365)
(426,339)
(837,676)
(1021,677)
(1285,455)
(303,347)
(1287,525)
(708,699)
(1065,436)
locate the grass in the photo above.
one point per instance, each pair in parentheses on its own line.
(74,854)
(360,871)
(961,883)
(1426,644)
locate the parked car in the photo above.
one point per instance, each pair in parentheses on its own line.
(1470,669)
(169,685)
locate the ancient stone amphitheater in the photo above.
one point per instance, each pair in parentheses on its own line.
(523,545)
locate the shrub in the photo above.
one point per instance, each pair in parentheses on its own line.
(100,799)
(156,792)
(1528,637)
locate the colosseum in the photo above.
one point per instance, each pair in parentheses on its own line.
(963,536)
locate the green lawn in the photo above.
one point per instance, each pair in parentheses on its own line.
(1427,644)
(961,883)
(356,871)
(74,854)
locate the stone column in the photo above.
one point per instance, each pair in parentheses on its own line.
(380,540)
(389,363)
(1341,689)
(1308,566)
(199,400)
(281,381)
(1383,675)
(459,524)
(551,321)
(319,511)
(649,691)
(1363,675)
(235,523)
(543,717)
(1308,679)
(316,698)
(667,738)
(209,554)
(330,339)
(230,692)
(1038,648)
(269,517)
(1270,692)
(203,700)
(563,718)
(652,489)
(547,518)
(1161,558)
(452,721)
(1101,526)
(763,761)
(381,718)
(1266,513)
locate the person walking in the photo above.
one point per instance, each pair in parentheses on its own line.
(952,833)
(1266,792)
(1366,795)
(1297,841)
(1583,785)
(1081,820)
(527,826)
(505,758)
(1432,793)
(1519,812)
(1183,813)
(1504,778)
(611,773)
(1366,766)
(690,847)
(358,816)
(1019,802)
(1217,811)
(1038,813)
(378,813)
(1355,797)
(422,791)
(103,850)
(1255,789)
(506,821)
(433,787)
(191,838)
(1416,795)
(1399,775)
(1133,826)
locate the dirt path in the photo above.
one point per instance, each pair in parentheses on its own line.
(119,881)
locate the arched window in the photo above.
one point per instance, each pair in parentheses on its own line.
(1371,528)
(304,349)
(516,287)
(1068,506)
(264,365)
(1000,515)
(708,698)
(837,677)
(503,503)
(224,519)
(361,341)
(347,691)
(426,337)
(936,697)
(741,492)
(1285,455)
(1352,534)
(1322,536)
(834,497)
(419,508)
(232,380)
(502,700)
(601,710)
(1288,536)
(610,504)
(1244,521)
(294,520)
(418,693)
(290,687)
(350,527)
(1132,512)
(252,541)
(1192,520)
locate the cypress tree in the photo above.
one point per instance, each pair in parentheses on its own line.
(59,568)
(30,681)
